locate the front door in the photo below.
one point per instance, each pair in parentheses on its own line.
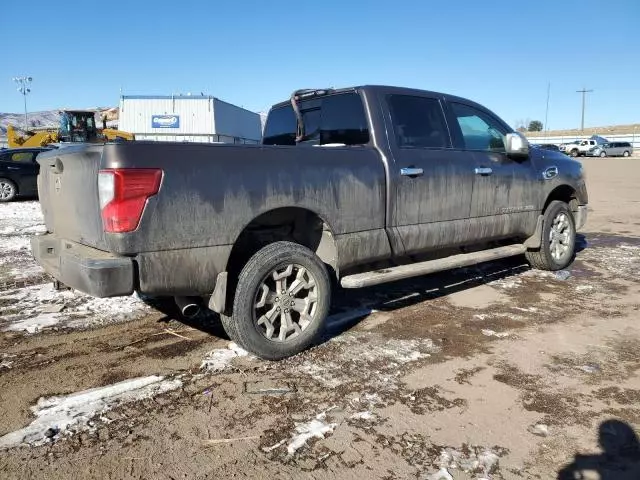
(506,194)
(433,181)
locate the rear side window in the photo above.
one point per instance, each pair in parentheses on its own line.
(333,119)
(22,157)
(479,130)
(418,122)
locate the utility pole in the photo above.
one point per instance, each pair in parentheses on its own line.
(546,113)
(584,94)
(23,88)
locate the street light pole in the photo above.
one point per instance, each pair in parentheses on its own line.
(584,92)
(23,88)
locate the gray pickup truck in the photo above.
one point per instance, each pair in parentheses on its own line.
(356,186)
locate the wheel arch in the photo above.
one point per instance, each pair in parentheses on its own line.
(296,224)
(564,193)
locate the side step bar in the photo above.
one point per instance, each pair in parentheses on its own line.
(401,272)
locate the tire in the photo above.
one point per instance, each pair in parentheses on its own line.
(259,328)
(8,190)
(603,154)
(574,153)
(625,153)
(544,258)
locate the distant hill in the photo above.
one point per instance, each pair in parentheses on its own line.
(603,131)
(51,118)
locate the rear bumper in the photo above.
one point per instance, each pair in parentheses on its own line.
(83,268)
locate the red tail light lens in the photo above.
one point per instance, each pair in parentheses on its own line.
(123,195)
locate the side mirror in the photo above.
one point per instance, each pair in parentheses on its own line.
(517,145)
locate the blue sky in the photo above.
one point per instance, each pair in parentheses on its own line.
(254,53)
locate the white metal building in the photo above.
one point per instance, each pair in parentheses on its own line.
(187,118)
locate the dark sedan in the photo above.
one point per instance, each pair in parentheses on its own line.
(19,172)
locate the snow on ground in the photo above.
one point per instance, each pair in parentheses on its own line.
(221,358)
(71,413)
(315,428)
(35,308)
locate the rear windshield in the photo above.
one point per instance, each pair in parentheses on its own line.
(333,119)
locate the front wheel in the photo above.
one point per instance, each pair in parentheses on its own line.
(281,301)
(558,239)
(603,154)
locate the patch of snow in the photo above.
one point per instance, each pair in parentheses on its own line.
(492,333)
(37,304)
(34,324)
(220,358)
(70,413)
(481,316)
(584,288)
(539,429)
(366,415)
(527,309)
(507,284)
(442,474)
(473,459)
(316,428)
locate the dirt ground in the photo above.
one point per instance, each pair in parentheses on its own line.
(495,372)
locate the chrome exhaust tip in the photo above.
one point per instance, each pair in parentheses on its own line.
(189,306)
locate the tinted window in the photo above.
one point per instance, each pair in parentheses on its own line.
(332,119)
(625,144)
(343,120)
(418,122)
(479,130)
(23,157)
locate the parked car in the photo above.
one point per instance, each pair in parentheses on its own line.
(361,185)
(546,146)
(581,147)
(611,149)
(18,172)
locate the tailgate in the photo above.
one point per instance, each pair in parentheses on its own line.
(68,193)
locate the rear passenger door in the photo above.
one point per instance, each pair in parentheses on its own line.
(507,197)
(432,183)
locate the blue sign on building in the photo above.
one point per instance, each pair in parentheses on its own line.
(165,121)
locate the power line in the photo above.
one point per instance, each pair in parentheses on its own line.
(584,95)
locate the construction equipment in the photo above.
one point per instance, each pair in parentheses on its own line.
(76,126)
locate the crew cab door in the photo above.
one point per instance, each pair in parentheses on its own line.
(433,182)
(507,194)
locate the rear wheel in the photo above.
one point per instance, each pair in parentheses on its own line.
(8,190)
(557,247)
(281,301)
(574,153)
(603,154)
(625,154)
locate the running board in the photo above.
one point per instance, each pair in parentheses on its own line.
(401,272)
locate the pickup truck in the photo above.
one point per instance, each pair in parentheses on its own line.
(352,187)
(579,148)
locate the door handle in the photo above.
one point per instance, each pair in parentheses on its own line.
(411,172)
(483,171)
(13,168)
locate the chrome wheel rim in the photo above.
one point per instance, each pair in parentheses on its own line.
(6,190)
(560,237)
(286,303)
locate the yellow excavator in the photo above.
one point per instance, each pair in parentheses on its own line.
(76,126)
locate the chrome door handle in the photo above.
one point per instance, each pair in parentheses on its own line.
(483,171)
(411,172)
(13,168)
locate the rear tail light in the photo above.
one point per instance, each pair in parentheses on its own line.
(123,194)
